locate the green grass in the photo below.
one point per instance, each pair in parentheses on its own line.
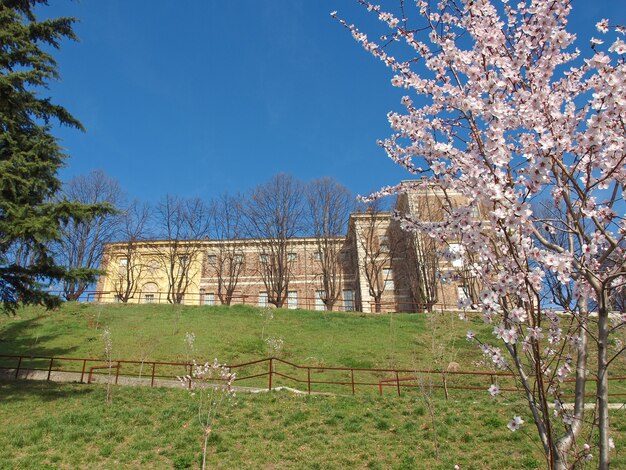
(51,425)
(48,425)
(235,335)
(157,332)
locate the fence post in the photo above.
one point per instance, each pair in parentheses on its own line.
(308,369)
(271,372)
(19,363)
(117,373)
(190,372)
(152,381)
(352,376)
(50,368)
(82,372)
(398,383)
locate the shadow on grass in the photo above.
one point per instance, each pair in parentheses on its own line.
(28,390)
(19,338)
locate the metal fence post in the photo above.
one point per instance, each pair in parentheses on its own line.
(352,376)
(82,372)
(152,381)
(398,382)
(309,379)
(50,368)
(117,373)
(271,372)
(19,363)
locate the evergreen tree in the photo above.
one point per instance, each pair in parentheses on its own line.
(30,156)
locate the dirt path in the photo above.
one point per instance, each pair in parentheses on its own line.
(75,377)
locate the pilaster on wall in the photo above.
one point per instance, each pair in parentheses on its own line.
(364,291)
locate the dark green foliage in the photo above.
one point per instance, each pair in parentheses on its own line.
(30,156)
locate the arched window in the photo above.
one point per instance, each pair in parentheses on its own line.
(149,293)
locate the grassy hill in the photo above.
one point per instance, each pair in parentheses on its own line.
(50,425)
(238,334)
(55,425)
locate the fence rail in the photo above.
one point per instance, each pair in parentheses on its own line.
(268,373)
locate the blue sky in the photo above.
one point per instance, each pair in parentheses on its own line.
(199,97)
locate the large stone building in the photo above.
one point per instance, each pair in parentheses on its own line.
(376,267)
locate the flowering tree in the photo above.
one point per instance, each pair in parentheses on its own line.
(507,114)
(211,386)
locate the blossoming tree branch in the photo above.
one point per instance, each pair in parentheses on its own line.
(503,109)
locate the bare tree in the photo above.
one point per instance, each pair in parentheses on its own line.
(132,231)
(226,260)
(330,204)
(184,223)
(275,215)
(418,267)
(82,241)
(373,241)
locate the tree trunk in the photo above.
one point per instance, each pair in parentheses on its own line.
(602,393)
(564,444)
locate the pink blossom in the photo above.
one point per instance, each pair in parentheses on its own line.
(515,423)
(603,25)
(619,47)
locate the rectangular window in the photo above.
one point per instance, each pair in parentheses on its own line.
(292,257)
(211,259)
(348,300)
(209,298)
(462,292)
(262,299)
(317,256)
(292,299)
(149,298)
(238,259)
(456,252)
(384,244)
(388,279)
(263,258)
(123,264)
(319,303)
